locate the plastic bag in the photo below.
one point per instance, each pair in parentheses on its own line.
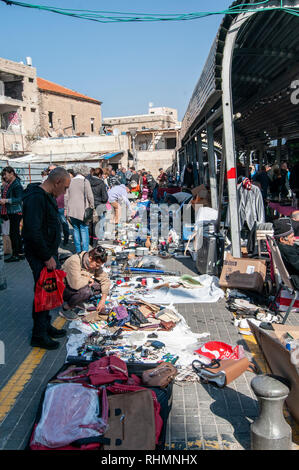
(219,350)
(49,290)
(70,412)
(149,261)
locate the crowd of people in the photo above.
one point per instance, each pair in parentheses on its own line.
(275,181)
(37,217)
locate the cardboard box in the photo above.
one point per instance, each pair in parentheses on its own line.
(280,360)
(243,273)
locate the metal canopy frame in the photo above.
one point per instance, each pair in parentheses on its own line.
(242,98)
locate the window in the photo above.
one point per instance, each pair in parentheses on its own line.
(170,143)
(92,124)
(73,122)
(31,80)
(50,115)
(32,110)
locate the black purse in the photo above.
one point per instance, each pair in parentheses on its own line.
(88,213)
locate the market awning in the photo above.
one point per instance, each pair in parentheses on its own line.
(107,156)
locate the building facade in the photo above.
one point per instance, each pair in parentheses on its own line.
(153,137)
(67,112)
(19,107)
(32,107)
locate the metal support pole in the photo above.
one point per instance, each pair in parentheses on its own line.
(194,162)
(278,151)
(228,128)
(201,170)
(247,162)
(221,185)
(212,166)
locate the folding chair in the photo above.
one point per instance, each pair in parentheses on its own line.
(282,278)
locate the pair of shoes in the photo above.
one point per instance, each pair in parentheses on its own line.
(12,259)
(55,333)
(69,315)
(44,342)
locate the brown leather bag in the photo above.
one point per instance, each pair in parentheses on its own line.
(222,372)
(167,325)
(160,376)
(131,422)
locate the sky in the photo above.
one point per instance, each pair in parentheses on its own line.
(124,65)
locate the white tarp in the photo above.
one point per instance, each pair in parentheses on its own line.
(210,292)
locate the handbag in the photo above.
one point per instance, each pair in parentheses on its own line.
(160,376)
(49,290)
(131,422)
(89,211)
(222,372)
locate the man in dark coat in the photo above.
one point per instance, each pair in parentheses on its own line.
(100,195)
(284,234)
(42,236)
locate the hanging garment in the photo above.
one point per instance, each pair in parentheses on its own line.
(251,205)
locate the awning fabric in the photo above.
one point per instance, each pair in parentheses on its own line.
(107,156)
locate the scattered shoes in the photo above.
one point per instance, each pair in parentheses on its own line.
(44,342)
(12,259)
(55,333)
(69,315)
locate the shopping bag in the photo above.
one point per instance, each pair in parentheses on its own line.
(49,290)
(220,350)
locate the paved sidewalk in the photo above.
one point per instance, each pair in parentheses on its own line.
(202,417)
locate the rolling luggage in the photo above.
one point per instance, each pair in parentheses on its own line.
(209,258)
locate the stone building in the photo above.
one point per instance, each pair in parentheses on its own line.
(153,137)
(32,107)
(19,107)
(67,112)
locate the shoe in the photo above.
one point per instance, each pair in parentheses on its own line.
(44,342)
(79,310)
(68,315)
(12,259)
(55,333)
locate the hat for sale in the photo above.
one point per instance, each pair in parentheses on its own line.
(282,227)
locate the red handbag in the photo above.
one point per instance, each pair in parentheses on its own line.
(106,370)
(49,290)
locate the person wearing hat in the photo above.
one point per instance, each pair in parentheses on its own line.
(284,234)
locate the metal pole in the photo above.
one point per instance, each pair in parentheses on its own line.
(221,185)
(200,159)
(228,128)
(212,166)
(278,151)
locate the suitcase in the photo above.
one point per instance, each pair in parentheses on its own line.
(164,397)
(209,258)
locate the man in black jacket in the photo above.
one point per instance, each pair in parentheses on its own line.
(284,234)
(100,195)
(42,236)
